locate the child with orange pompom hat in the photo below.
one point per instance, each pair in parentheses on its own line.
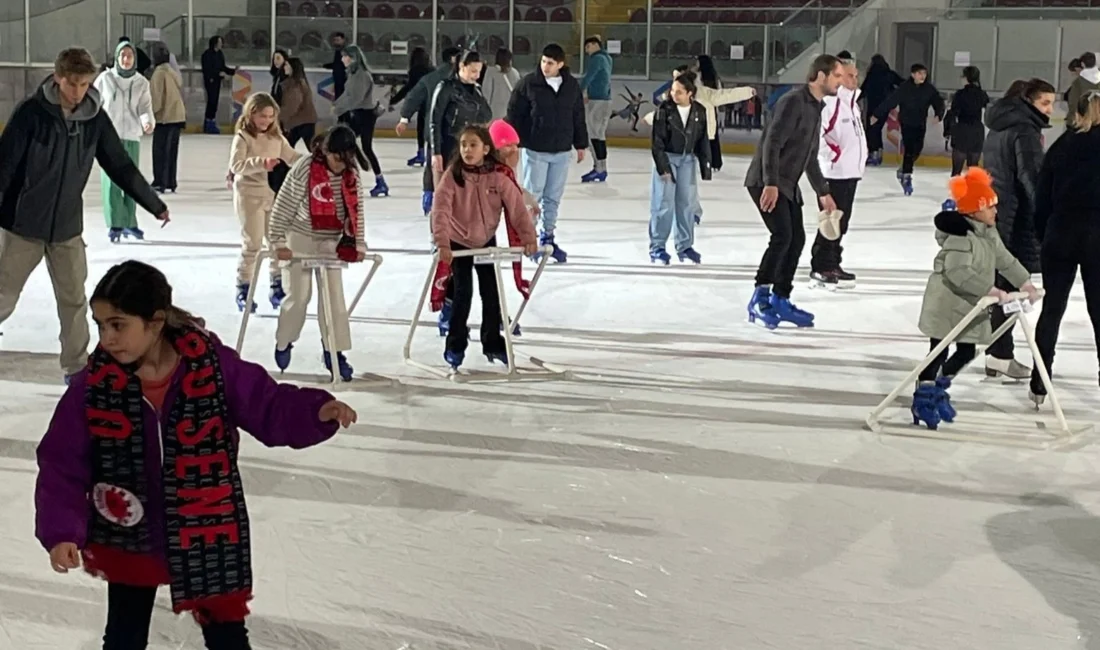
(971,255)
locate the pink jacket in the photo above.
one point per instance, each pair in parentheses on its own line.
(470,215)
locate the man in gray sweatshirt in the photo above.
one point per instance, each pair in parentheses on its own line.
(789,147)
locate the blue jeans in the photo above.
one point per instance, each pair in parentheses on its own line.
(672,203)
(544,175)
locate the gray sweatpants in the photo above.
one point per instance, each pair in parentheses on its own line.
(68,266)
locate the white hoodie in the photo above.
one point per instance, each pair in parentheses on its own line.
(127,101)
(843,150)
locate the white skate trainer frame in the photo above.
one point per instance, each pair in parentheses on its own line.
(496,257)
(319,263)
(1013,431)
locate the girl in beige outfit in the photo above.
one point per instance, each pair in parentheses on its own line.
(258,148)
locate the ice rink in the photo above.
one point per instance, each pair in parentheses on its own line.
(698,482)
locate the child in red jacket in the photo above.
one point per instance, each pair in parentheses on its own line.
(137,474)
(465,215)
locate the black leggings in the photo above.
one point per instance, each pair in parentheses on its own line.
(362,121)
(599,149)
(964,354)
(421,130)
(461,293)
(961,159)
(301,132)
(130,611)
(912,143)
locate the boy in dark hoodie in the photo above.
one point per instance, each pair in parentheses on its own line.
(46,156)
(913,99)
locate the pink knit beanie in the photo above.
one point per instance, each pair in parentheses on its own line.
(503,134)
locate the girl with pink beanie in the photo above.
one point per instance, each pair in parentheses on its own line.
(506,140)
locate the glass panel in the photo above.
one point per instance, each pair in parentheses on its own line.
(380,24)
(975,37)
(1025,49)
(134,17)
(674,44)
(12,32)
(482,24)
(57,24)
(749,39)
(623,21)
(306,29)
(538,25)
(246,32)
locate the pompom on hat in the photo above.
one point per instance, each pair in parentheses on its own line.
(503,134)
(972,191)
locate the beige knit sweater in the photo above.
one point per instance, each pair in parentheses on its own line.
(247,156)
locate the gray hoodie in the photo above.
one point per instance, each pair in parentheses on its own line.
(359,88)
(46,158)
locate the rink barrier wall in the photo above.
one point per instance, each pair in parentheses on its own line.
(17,83)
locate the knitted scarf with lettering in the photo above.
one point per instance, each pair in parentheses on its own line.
(205,522)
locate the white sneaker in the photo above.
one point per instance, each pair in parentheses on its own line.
(1009,368)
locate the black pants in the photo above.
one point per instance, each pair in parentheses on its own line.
(599,149)
(912,142)
(1063,252)
(1002,348)
(130,610)
(421,130)
(961,159)
(874,133)
(716,154)
(788,238)
(213,93)
(166,152)
(301,132)
(964,354)
(362,121)
(826,254)
(461,292)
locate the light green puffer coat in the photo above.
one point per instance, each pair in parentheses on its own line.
(971,254)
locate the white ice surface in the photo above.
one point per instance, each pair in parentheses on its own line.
(701,483)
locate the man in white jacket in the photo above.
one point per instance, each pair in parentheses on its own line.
(128,102)
(843,157)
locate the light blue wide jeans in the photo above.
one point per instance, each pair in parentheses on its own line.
(545,175)
(671,203)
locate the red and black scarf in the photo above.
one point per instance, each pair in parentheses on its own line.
(322,205)
(205,520)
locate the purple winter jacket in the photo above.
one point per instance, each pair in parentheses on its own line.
(278,415)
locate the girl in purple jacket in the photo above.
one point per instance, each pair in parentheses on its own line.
(138,477)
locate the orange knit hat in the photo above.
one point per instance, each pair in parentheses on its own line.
(973,190)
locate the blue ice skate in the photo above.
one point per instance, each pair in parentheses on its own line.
(786,311)
(242,298)
(691,255)
(277,295)
(698,219)
(282,357)
(547,239)
(114,235)
(417,160)
(346,371)
(949,206)
(380,188)
(454,359)
(760,308)
(907,184)
(594,176)
(946,409)
(426,201)
(134,233)
(925,406)
(516,331)
(660,256)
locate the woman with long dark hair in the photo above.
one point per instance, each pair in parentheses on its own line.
(420,64)
(297,111)
(1067,220)
(963,122)
(1013,157)
(278,73)
(358,109)
(456,104)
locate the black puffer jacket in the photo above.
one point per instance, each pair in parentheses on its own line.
(879,83)
(1013,157)
(913,101)
(454,106)
(963,123)
(1067,196)
(548,121)
(672,135)
(45,161)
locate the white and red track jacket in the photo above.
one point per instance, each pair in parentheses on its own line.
(843,150)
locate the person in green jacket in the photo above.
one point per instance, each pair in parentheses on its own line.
(971,255)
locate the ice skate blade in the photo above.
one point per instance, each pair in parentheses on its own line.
(1027,432)
(817,284)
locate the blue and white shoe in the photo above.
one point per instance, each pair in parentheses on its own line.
(417,160)
(660,256)
(346,371)
(925,407)
(282,357)
(547,239)
(277,295)
(594,176)
(242,298)
(691,255)
(134,233)
(426,201)
(786,311)
(760,309)
(380,188)
(454,359)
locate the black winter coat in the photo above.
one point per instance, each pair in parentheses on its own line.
(1067,196)
(213,65)
(878,84)
(1013,156)
(671,135)
(548,121)
(454,106)
(45,161)
(963,122)
(913,101)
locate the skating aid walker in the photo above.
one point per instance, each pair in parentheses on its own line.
(342,371)
(496,257)
(931,404)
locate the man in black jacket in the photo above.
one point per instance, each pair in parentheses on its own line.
(46,154)
(547,110)
(213,71)
(913,99)
(788,148)
(339,70)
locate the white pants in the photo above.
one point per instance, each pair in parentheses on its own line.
(298,284)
